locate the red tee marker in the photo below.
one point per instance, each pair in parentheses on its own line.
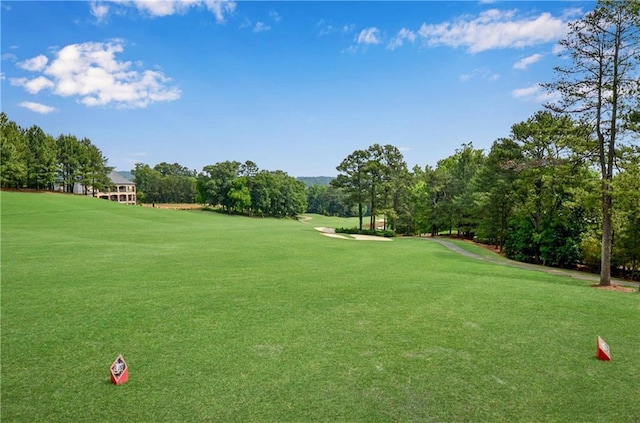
(603,352)
(119,371)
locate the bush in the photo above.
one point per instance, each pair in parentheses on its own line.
(591,250)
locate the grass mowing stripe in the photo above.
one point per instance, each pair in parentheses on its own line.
(235,319)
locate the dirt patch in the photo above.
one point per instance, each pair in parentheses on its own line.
(615,287)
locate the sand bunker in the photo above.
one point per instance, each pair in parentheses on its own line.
(330,232)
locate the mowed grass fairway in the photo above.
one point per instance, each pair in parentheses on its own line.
(224,318)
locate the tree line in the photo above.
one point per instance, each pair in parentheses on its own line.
(244,188)
(33,159)
(231,186)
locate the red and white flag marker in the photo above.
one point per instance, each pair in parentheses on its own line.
(603,352)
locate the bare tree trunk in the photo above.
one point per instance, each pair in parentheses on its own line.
(607,236)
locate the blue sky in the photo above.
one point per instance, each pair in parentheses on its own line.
(291,85)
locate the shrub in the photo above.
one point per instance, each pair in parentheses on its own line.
(591,253)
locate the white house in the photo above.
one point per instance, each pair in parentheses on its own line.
(121,190)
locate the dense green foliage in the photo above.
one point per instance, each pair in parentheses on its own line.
(329,201)
(165,183)
(315,180)
(30,158)
(226,318)
(243,188)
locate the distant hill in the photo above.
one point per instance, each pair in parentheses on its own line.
(125,174)
(315,180)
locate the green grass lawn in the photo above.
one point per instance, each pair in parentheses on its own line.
(226,318)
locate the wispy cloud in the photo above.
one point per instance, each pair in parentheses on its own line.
(557,49)
(90,72)
(327,28)
(369,36)
(274,15)
(99,11)
(37,107)
(261,27)
(526,61)
(482,73)
(158,8)
(535,93)
(494,29)
(526,91)
(403,35)
(573,12)
(9,56)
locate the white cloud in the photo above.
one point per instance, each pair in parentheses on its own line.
(526,92)
(350,49)
(159,8)
(535,93)
(465,77)
(526,61)
(37,107)
(260,27)
(326,28)
(34,64)
(558,49)
(348,28)
(220,8)
(9,56)
(274,15)
(398,41)
(38,84)
(369,36)
(246,23)
(482,73)
(494,29)
(574,12)
(99,11)
(91,72)
(18,82)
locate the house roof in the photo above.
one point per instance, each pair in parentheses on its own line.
(118,179)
